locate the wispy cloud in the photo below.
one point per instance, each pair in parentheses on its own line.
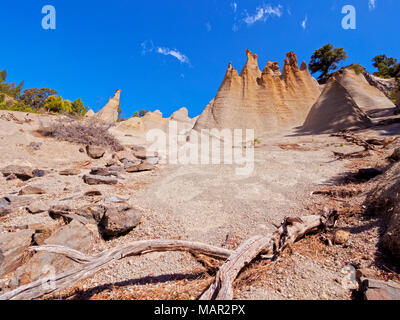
(234,6)
(148,47)
(263,13)
(174,53)
(304,23)
(208,26)
(372,4)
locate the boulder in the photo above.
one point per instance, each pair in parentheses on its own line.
(70,172)
(74,235)
(21,172)
(95,180)
(13,250)
(31,190)
(119,221)
(95,152)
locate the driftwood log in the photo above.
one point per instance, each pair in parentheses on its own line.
(268,247)
(352,138)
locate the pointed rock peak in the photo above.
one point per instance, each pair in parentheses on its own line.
(117,94)
(303,66)
(230,66)
(292,60)
(274,67)
(252,59)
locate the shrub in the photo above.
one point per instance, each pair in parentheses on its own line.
(88,132)
(357,68)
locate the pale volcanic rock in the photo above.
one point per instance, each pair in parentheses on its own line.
(109,113)
(264,101)
(335,110)
(368,98)
(90,114)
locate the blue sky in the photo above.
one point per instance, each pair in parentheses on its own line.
(167,54)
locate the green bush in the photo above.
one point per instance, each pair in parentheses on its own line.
(357,68)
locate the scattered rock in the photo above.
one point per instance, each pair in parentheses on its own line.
(95,152)
(143,154)
(144,166)
(37,207)
(74,235)
(31,190)
(341,237)
(118,222)
(70,172)
(34,146)
(111,171)
(92,193)
(396,155)
(380,290)
(21,172)
(12,250)
(20,201)
(81,150)
(39,173)
(95,180)
(115,199)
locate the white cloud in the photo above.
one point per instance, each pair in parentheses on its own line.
(234,6)
(372,4)
(148,47)
(208,26)
(174,53)
(262,13)
(304,23)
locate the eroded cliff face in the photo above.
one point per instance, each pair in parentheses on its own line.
(264,101)
(109,113)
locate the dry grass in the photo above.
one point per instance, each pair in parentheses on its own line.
(87,132)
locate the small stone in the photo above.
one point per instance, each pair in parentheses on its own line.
(31,190)
(94,180)
(144,166)
(92,193)
(39,173)
(37,207)
(117,221)
(21,172)
(70,172)
(341,237)
(95,152)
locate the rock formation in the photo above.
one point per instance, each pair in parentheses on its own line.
(367,97)
(109,113)
(334,110)
(263,101)
(155,120)
(90,114)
